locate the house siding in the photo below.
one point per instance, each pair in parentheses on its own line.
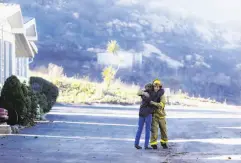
(1,62)
(15,48)
(7,55)
(22,67)
(9,63)
(7,40)
(5,60)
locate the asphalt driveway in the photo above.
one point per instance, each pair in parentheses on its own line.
(105,134)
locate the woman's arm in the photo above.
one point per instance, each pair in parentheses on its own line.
(146,99)
(144,96)
(143,93)
(161,104)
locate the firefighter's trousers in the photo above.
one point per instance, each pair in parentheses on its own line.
(158,122)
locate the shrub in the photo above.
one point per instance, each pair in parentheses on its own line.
(42,101)
(47,88)
(13,100)
(55,71)
(31,104)
(20,101)
(52,70)
(34,102)
(25,117)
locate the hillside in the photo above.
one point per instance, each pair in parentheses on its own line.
(182,42)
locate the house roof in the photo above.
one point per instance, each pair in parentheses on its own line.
(8,9)
(26,19)
(34,47)
(23,47)
(13,14)
(30,28)
(23,28)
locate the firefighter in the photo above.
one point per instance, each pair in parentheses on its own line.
(158,119)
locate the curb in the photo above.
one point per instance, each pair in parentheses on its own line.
(5,129)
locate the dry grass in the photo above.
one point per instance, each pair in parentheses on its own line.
(81,90)
(185,100)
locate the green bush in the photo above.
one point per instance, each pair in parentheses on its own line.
(34,102)
(20,101)
(25,116)
(13,100)
(42,101)
(46,88)
(31,102)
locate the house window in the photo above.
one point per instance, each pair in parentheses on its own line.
(5,60)
(26,62)
(22,66)
(18,66)
(0,58)
(2,53)
(11,59)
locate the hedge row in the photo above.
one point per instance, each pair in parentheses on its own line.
(46,88)
(22,101)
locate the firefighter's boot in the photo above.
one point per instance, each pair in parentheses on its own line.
(164,145)
(154,146)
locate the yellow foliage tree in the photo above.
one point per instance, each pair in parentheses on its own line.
(108,75)
(112,47)
(109,72)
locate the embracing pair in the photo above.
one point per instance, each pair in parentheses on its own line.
(152,115)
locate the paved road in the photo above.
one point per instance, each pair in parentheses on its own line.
(104,134)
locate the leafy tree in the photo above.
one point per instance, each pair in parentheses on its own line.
(109,72)
(113,48)
(108,75)
(46,88)
(15,98)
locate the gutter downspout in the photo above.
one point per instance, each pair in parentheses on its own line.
(30,60)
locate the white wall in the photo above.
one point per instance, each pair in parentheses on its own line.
(12,65)
(22,67)
(126,59)
(7,33)
(7,52)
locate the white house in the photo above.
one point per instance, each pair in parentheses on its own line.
(123,59)
(17,37)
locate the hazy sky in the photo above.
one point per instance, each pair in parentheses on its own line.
(214,10)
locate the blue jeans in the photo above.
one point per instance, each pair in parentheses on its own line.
(147,121)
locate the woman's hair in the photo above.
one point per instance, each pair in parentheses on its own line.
(149,87)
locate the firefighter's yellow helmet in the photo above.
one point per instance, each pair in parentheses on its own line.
(157,82)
